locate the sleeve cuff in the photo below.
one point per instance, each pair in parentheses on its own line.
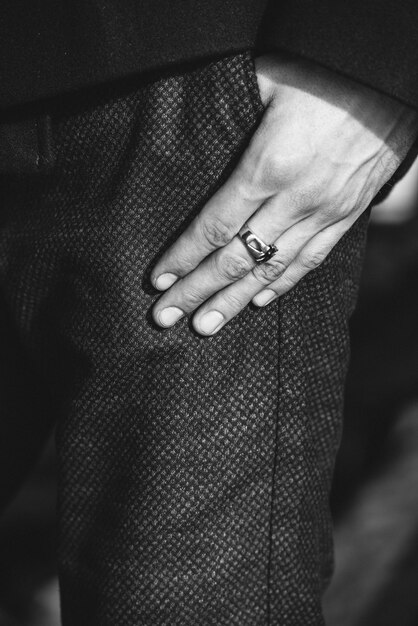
(373,42)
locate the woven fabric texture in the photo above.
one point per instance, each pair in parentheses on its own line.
(193,472)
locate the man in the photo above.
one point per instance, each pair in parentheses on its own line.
(194,462)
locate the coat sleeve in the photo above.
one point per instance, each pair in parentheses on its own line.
(374,42)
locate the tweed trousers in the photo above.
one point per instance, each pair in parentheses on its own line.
(194,472)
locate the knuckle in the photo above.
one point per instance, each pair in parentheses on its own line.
(326,215)
(274,171)
(334,211)
(232,302)
(346,209)
(283,168)
(179,262)
(232,268)
(286,284)
(308,199)
(216,232)
(263,172)
(312,260)
(269,271)
(192,297)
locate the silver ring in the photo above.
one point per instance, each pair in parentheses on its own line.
(260,251)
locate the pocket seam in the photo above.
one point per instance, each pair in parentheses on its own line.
(252,83)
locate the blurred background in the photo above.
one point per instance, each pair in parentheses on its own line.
(375,494)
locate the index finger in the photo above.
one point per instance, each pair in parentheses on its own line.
(220,219)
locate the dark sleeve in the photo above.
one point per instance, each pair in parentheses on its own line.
(374,42)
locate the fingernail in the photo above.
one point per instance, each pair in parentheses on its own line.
(165,281)
(169,316)
(264,297)
(209,322)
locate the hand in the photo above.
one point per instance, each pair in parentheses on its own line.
(324,148)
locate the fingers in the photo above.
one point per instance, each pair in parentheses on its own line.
(306,175)
(308,259)
(230,265)
(229,302)
(232,262)
(221,268)
(214,227)
(250,184)
(301,250)
(226,304)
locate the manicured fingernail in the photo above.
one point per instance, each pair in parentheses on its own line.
(210,322)
(165,281)
(169,316)
(264,297)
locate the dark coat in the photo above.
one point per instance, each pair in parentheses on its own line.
(49,47)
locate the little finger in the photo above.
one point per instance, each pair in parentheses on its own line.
(230,301)
(309,258)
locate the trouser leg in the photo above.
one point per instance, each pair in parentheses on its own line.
(193,472)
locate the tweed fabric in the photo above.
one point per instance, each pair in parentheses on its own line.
(193,472)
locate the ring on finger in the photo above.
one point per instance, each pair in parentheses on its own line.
(257,248)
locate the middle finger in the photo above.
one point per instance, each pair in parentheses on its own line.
(228,302)
(227,265)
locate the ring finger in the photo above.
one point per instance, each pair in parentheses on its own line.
(228,265)
(227,303)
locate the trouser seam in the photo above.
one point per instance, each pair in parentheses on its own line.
(273,477)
